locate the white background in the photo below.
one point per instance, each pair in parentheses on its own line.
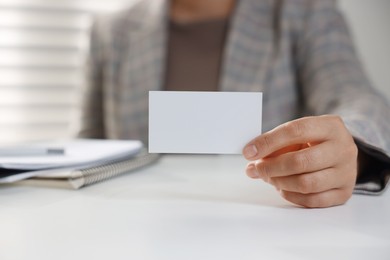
(370,21)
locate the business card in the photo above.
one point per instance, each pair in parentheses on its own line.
(203,122)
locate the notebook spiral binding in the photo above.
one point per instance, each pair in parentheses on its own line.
(112,169)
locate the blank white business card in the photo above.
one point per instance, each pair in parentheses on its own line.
(203,122)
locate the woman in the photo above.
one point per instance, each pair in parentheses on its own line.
(328,126)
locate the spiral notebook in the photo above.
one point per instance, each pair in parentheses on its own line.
(84,176)
(81,162)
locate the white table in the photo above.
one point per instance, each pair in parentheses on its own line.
(186,207)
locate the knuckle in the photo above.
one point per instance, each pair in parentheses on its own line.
(263,170)
(300,162)
(295,129)
(265,142)
(349,152)
(308,184)
(335,123)
(353,151)
(336,119)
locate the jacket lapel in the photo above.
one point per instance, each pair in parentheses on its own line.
(137,67)
(249,47)
(147,46)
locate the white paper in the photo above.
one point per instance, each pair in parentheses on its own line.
(203,122)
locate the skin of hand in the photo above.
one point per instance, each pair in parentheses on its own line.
(311,161)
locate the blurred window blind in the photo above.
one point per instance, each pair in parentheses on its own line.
(42,52)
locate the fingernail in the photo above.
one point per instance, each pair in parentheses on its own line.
(252,172)
(250,151)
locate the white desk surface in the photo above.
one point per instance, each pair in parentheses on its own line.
(186,207)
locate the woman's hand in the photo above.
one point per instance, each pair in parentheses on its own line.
(312,161)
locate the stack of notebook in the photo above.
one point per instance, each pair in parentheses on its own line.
(71,164)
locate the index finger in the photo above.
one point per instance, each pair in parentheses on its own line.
(303,130)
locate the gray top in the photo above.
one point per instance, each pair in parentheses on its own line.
(195,53)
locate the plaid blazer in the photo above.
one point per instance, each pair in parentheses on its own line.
(299,53)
